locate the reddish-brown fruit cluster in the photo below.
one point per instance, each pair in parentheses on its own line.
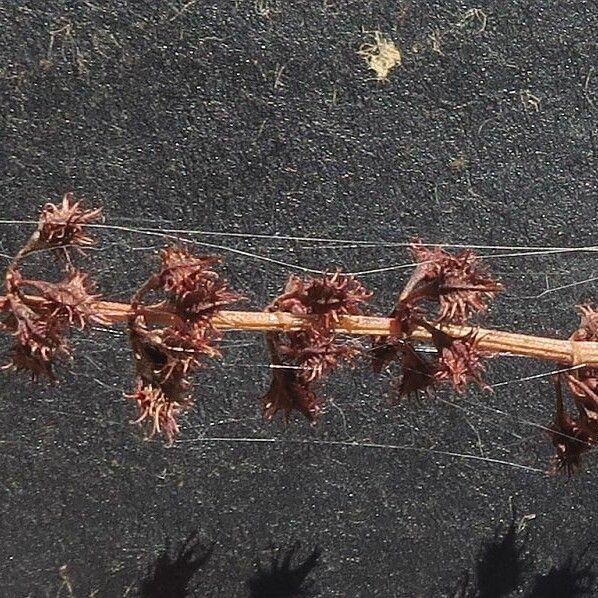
(328,297)
(302,357)
(193,289)
(459,359)
(574,436)
(165,357)
(571,437)
(187,292)
(39,313)
(460,286)
(38,339)
(68,300)
(63,225)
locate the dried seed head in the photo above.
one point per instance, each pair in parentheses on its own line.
(572,437)
(41,314)
(165,357)
(194,290)
(158,411)
(299,359)
(64,224)
(583,382)
(461,284)
(459,360)
(289,389)
(328,297)
(39,338)
(69,300)
(315,352)
(570,440)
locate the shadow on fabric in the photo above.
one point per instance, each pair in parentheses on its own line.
(283,580)
(172,576)
(501,568)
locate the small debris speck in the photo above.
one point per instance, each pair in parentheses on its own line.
(382,55)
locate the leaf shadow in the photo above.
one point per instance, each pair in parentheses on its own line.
(499,569)
(281,579)
(170,576)
(571,579)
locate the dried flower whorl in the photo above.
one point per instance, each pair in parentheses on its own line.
(62,225)
(301,357)
(574,436)
(571,437)
(166,357)
(461,284)
(40,314)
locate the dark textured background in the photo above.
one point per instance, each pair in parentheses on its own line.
(260,117)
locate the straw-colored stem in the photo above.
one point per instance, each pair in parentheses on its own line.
(493,341)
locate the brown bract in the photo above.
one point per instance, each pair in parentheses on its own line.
(289,392)
(384,351)
(571,437)
(417,373)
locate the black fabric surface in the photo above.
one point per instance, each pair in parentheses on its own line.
(259,116)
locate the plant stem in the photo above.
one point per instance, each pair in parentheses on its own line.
(493,341)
